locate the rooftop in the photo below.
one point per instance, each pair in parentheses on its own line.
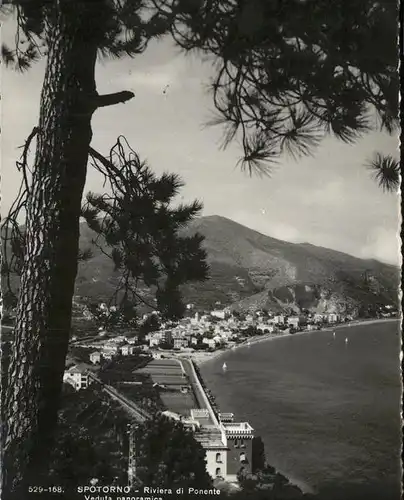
(238,428)
(209,437)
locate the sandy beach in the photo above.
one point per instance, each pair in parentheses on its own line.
(202,357)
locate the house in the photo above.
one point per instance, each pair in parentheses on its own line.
(154,341)
(227,445)
(221,314)
(294,321)
(109,351)
(77,377)
(265,328)
(127,349)
(210,342)
(95,357)
(279,320)
(195,319)
(111,347)
(318,318)
(120,338)
(332,318)
(179,343)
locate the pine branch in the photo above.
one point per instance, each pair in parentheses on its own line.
(115,98)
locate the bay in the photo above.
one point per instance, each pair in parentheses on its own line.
(328,410)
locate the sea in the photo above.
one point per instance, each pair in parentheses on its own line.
(327,408)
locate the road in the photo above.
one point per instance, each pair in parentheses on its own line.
(138,413)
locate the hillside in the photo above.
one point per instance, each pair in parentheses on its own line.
(249,270)
(266,272)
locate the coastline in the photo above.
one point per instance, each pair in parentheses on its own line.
(200,358)
(203,358)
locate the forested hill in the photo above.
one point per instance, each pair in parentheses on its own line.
(250,270)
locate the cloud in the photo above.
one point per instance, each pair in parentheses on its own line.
(331,194)
(383,244)
(151,80)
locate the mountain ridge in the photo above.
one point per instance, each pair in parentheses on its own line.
(249,270)
(285,275)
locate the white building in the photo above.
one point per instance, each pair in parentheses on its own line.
(318,318)
(249,318)
(154,341)
(263,327)
(179,343)
(209,342)
(217,313)
(294,321)
(109,351)
(195,319)
(127,349)
(76,377)
(332,318)
(95,357)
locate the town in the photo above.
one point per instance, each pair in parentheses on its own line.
(156,369)
(207,331)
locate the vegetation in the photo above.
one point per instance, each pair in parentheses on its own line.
(168,456)
(140,228)
(92,443)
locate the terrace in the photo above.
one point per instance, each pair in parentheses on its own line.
(210,438)
(238,429)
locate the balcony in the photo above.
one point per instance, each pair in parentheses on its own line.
(226,417)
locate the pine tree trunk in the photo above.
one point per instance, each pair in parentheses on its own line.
(52,233)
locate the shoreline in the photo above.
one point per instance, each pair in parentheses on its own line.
(201,358)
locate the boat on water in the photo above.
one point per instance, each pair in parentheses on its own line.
(224,367)
(346,340)
(333,334)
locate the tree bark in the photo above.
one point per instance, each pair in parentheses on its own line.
(44,308)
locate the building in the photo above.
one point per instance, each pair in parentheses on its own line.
(332,318)
(265,328)
(127,349)
(239,438)
(179,343)
(195,319)
(279,320)
(167,337)
(294,321)
(77,377)
(109,351)
(210,342)
(217,313)
(227,444)
(95,357)
(318,318)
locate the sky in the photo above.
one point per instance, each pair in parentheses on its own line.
(328,199)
